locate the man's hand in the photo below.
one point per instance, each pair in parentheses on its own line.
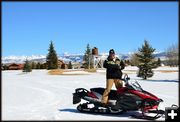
(118,62)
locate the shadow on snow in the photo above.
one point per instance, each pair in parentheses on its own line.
(69,110)
(124,114)
(162,80)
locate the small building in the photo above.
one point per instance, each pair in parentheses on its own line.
(62,65)
(15,66)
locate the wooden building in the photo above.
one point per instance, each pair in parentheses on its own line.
(62,65)
(15,66)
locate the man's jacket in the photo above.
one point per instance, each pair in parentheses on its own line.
(114,67)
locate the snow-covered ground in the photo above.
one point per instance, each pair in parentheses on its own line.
(39,96)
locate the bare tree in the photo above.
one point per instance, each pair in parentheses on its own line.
(134,59)
(172,55)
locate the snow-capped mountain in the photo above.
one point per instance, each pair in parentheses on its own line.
(42,58)
(66,57)
(21,59)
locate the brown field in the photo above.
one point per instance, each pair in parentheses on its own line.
(90,70)
(56,72)
(62,71)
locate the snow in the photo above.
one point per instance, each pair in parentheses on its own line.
(40,96)
(156,69)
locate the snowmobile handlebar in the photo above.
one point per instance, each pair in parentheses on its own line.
(81,90)
(126,78)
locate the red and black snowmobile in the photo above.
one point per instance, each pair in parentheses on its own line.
(131,97)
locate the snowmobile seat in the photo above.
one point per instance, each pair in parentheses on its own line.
(112,94)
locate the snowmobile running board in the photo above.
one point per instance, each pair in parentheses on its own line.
(108,110)
(98,109)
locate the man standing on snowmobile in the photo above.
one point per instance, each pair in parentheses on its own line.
(113,74)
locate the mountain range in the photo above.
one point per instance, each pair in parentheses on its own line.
(68,57)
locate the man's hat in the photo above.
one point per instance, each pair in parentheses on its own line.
(111,51)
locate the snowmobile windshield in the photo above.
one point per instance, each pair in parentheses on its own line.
(134,85)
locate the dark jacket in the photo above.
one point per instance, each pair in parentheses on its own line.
(114,68)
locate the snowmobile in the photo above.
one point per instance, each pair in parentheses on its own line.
(131,97)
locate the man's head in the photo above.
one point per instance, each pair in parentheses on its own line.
(111,53)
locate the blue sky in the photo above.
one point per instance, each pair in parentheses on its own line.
(28,27)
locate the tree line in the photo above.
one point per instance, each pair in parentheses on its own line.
(143,59)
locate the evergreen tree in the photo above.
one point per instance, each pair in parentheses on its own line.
(4,67)
(88,58)
(159,62)
(70,65)
(146,61)
(52,59)
(27,67)
(33,65)
(42,65)
(45,65)
(38,65)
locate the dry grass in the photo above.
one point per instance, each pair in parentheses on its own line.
(72,70)
(90,70)
(55,72)
(63,72)
(167,71)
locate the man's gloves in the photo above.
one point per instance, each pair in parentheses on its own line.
(120,65)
